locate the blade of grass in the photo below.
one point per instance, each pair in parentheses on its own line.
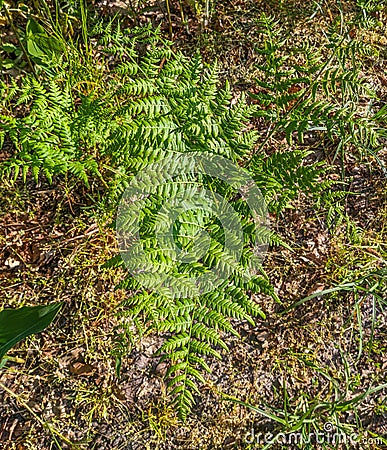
(266,414)
(341,287)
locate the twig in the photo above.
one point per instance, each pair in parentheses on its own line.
(169,18)
(81,236)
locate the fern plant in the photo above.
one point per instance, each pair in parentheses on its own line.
(186,115)
(162,109)
(367,10)
(182,113)
(46,140)
(302,92)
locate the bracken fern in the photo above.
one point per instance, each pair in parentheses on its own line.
(158,106)
(303,92)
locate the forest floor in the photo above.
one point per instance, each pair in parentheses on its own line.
(317,363)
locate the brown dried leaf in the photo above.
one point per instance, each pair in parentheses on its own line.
(79,368)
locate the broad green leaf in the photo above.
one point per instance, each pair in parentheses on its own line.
(33,49)
(16,324)
(34,28)
(39,44)
(48,44)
